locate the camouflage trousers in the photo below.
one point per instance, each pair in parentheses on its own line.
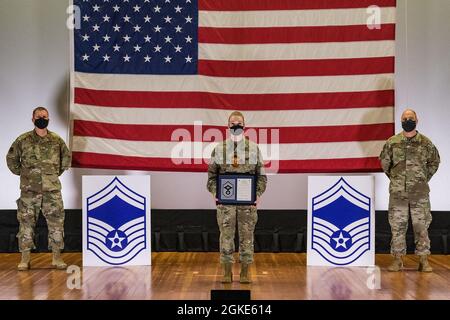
(400,207)
(29,205)
(246,218)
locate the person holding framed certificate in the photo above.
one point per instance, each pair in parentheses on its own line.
(236,179)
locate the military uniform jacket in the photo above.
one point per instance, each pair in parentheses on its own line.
(39,161)
(409,163)
(247,158)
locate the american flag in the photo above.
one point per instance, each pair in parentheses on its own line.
(311,69)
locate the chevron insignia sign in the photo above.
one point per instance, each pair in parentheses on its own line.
(341,221)
(116,220)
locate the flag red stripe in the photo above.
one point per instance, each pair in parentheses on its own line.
(295,34)
(285,68)
(286,134)
(243,102)
(104,161)
(248,5)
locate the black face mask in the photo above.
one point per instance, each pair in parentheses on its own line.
(408,125)
(41,123)
(236,129)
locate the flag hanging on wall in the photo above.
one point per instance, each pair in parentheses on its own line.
(154,80)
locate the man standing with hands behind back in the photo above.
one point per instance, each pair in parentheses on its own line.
(409,159)
(39,157)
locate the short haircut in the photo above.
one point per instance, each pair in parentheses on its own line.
(415,114)
(236,114)
(39,109)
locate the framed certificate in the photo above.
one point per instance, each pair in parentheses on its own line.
(236,189)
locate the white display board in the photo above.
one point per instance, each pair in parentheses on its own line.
(116,220)
(341,221)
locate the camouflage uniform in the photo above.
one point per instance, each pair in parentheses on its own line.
(409,163)
(39,161)
(248,161)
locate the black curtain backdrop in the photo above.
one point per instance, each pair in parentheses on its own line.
(196,230)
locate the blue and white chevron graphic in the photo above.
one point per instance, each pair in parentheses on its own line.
(341,224)
(116,223)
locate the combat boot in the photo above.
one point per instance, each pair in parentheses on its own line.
(424,266)
(227,274)
(396,265)
(57,261)
(24,264)
(245,274)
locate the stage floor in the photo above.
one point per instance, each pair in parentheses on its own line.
(192,275)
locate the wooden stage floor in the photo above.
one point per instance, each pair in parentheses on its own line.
(191,276)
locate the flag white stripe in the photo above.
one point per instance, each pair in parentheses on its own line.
(293,18)
(297,51)
(319,84)
(168,149)
(214,117)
